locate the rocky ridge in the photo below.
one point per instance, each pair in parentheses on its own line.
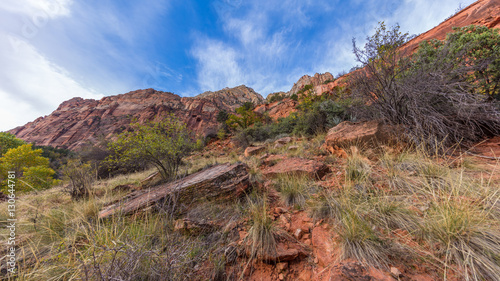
(79,121)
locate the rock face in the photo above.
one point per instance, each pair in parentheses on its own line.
(221,182)
(278,109)
(297,166)
(78,121)
(318,81)
(364,133)
(254,150)
(482,12)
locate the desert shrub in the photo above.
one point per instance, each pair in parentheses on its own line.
(474,48)
(8,141)
(81,176)
(57,156)
(161,144)
(31,168)
(432,98)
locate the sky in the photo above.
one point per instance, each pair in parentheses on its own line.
(54,50)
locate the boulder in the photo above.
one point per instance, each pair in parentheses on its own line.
(363,133)
(220,183)
(254,150)
(284,140)
(323,246)
(284,253)
(297,166)
(191,227)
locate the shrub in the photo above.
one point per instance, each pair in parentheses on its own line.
(261,235)
(161,144)
(8,141)
(432,98)
(293,189)
(81,176)
(32,170)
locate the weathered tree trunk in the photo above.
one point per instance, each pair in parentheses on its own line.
(218,183)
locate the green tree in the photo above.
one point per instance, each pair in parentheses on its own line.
(244,117)
(474,48)
(8,141)
(162,144)
(31,168)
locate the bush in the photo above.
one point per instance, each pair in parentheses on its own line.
(32,170)
(81,176)
(161,144)
(432,98)
(8,141)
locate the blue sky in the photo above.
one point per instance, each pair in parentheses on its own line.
(53,50)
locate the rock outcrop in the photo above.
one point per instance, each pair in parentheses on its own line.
(296,166)
(360,133)
(318,81)
(482,12)
(218,183)
(79,121)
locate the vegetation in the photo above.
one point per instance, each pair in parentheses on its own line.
(81,176)
(8,141)
(438,94)
(396,206)
(31,169)
(161,144)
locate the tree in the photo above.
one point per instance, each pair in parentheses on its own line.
(245,117)
(161,144)
(8,141)
(32,170)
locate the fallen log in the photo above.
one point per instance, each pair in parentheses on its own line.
(218,183)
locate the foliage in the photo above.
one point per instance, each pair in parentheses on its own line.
(8,141)
(81,176)
(317,118)
(32,170)
(162,144)
(431,98)
(245,117)
(222,116)
(275,97)
(473,47)
(57,156)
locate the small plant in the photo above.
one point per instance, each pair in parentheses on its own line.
(467,236)
(81,176)
(261,237)
(357,170)
(358,241)
(293,189)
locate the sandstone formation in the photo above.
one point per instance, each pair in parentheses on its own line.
(297,166)
(318,81)
(79,121)
(278,109)
(482,12)
(221,182)
(360,133)
(254,150)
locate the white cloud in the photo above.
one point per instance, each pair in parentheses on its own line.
(30,85)
(218,66)
(37,10)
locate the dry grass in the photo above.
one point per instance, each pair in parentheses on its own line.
(261,237)
(294,189)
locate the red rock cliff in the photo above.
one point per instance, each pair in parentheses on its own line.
(78,121)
